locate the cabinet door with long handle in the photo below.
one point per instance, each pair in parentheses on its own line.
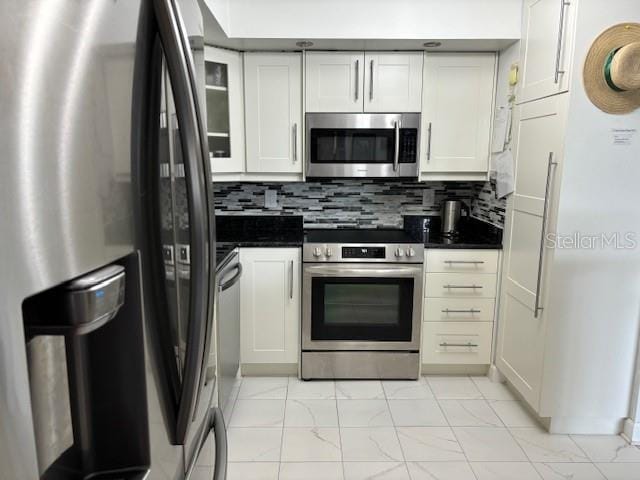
(273,112)
(538,128)
(334,82)
(546,47)
(456,113)
(392,81)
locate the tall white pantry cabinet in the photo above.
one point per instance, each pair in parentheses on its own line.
(569,317)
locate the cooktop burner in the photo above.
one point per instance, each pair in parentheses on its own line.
(358,236)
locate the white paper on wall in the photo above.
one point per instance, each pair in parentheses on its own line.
(504,174)
(500,129)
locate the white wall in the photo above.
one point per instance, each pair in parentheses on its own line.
(369,19)
(595,294)
(220,10)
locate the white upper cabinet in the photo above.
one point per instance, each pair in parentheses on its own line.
(546,47)
(392,81)
(363,82)
(225,114)
(334,81)
(457,106)
(273,112)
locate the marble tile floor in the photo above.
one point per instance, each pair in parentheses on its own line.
(436,428)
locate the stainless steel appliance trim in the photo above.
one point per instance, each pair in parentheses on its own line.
(371,81)
(349,365)
(362,270)
(468,344)
(396,149)
(558,72)
(543,233)
(360,121)
(224,285)
(357,79)
(313,253)
(429,142)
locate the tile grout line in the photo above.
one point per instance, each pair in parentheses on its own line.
(395,430)
(473,472)
(284,416)
(335,399)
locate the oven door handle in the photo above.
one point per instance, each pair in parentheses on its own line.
(344,271)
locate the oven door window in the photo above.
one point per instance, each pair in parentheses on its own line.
(362,309)
(352,145)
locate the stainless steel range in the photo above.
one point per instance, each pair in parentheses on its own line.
(362,304)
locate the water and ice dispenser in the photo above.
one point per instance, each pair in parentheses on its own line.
(85,348)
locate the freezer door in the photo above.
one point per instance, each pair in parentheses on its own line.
(65,172)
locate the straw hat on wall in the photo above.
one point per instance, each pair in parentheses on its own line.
(612,69)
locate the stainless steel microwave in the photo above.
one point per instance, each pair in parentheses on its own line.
(375,145)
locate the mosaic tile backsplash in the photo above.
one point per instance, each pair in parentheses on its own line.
(356,203)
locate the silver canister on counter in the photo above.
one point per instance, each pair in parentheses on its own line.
(450,216)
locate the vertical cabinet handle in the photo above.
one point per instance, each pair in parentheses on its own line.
(371,80)
(429,142)
(558,72)
(291,279)
(295,142)
(545,211)
(357,79)
(396,152)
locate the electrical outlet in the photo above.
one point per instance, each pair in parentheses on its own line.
(270,199)
(428,197)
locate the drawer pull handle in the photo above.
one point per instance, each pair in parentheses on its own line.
(471,310)
(462,286)
(465,262)
(468,344)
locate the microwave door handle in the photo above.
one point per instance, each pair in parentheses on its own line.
(396,152)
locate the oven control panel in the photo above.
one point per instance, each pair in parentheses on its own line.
(364,252)
(371,253)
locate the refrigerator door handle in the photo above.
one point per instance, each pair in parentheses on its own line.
(220,430)
(181,73)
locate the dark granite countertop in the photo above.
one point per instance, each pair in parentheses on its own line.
(474,234)
(261,231)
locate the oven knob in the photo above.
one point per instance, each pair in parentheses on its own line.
(317,252)
(410,252)
(399,252)
(328,252)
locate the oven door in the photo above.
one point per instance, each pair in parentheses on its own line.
(362,144)
(361,307)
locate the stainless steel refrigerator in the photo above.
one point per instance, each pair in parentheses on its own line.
(107,351)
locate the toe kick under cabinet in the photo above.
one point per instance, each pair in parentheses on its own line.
(459,306)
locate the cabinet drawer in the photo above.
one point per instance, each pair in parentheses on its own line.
(457,342)
(468,261)
(473,285)
(458,309)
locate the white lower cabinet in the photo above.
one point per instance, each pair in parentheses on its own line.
(459,306)
(270,305)
(457,342)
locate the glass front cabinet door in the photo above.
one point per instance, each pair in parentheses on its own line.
(225,120)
